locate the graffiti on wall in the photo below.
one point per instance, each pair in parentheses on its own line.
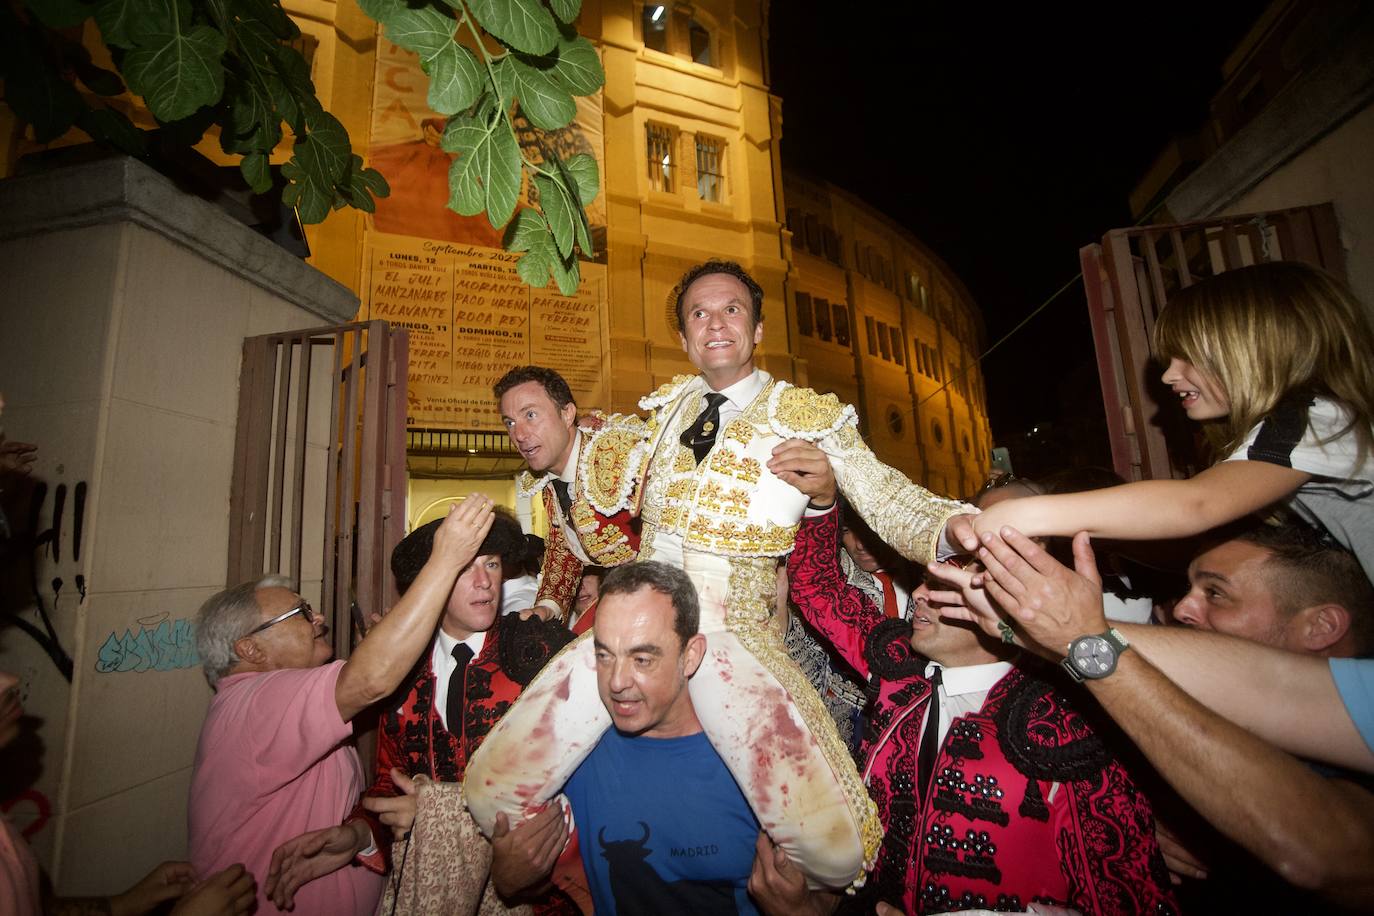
(23,544)
(157,644)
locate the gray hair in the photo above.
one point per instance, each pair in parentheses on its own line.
(664,579)
(224,618)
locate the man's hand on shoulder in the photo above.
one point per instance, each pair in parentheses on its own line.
(523,857)
(807,468)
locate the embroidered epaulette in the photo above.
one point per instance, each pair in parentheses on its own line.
(526,484)
(666,393)
(612,463)
(800,413)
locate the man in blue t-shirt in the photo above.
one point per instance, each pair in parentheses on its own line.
(662,826)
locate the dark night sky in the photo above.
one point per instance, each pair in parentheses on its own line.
(1004,137)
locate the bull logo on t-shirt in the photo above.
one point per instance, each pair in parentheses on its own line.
(639,888)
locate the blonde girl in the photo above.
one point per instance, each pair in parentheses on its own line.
(1277,362)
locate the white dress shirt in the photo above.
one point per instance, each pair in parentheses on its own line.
(441,658)
(741,394)
(963,690)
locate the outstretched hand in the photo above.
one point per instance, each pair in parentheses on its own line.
(17,457)
(165,882)
(1050,603)
(807,468)
(309,856)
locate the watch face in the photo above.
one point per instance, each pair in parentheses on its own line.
(1093,656)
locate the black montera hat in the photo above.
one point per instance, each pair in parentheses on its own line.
(505,538)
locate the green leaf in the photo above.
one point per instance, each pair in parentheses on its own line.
(114,17)
(424,30)
(257,172)
(486,174)
(568,184)
(360,185)
(502,180)
(317,164)
(292,92)
(468,138)
(99,80)
(545,103)
(176,67)
(567,273)
(271,14)
(533,267)
(60,14)
(150,18)
(558,210)
(465,193)
(525,25)
(455,79)
(40,97)
(188,131)
(381,10)
(582,168)
(566,10)
(578,67)
(105,125)
(529,232)
(503,74)
(524,232)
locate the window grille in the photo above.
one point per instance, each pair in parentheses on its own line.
(710,168)
(660,161)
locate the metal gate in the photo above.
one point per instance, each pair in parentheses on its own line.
(319,466)
(1129,278)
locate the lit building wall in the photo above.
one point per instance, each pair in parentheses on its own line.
(880,320)
(692,170)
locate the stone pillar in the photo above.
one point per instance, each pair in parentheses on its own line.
(126,307)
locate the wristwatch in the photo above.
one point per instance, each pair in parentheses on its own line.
(1093,657)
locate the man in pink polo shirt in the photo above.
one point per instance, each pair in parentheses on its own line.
(274,759)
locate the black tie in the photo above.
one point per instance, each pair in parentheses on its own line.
(560,489)
(701,435)
(930,739)
(462,655)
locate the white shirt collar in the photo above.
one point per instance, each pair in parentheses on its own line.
(569,473)
(473,642)
(970,678)
(742,393)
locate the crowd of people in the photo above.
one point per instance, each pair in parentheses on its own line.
(754,670)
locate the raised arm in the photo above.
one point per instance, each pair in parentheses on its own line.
(384,656)
(1285,698)
(908,517)
(1150,509)
(1317,833)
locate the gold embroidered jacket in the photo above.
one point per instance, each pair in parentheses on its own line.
(732,505)
(602,530)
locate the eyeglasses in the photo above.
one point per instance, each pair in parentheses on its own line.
(303,608)
(1001,480)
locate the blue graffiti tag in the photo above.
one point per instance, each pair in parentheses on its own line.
(169,645)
